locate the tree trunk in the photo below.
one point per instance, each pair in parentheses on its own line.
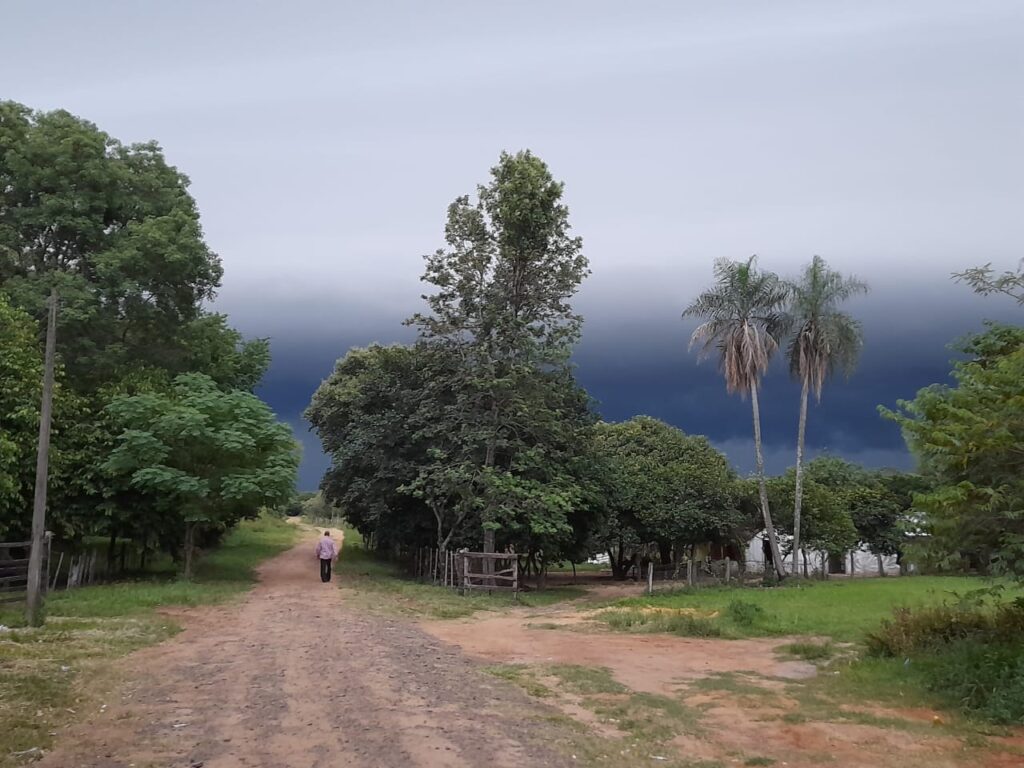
(489,532)
(799,490)
(665,552)
(190,546)
(36,579)
(762,486)
(881,566)
(803,556)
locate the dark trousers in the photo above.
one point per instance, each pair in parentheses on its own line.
(325,571)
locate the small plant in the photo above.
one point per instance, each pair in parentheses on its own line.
(743,613)
(810,651)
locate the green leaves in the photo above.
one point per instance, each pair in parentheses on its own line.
(968,440)
(202,454)
(668,486)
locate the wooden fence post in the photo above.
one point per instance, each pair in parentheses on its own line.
(728,570)
(650,578)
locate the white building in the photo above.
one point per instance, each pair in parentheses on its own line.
(864,561)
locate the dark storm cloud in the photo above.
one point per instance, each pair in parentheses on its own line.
(640,365)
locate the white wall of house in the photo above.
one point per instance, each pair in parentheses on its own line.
(865,562)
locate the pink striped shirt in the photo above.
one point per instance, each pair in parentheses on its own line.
(326,548)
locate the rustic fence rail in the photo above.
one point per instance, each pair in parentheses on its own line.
(14,556)
(465,571)
(489,571)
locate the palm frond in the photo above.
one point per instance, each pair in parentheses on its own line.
(744,318)
(826,340)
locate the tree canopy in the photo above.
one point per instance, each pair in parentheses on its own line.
(114,229)
(501,307)
(666,487)
(208,457)
(968,439)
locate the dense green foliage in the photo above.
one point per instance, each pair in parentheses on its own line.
(968,439)
(20,375)
(666,488)
(971,653)
(476,434)
(501,309)
(114,230)
(202,455)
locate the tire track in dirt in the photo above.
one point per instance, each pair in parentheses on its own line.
(292,678)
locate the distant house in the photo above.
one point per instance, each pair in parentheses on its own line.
(864,562)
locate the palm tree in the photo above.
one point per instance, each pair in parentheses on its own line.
(744,318)
(826,340)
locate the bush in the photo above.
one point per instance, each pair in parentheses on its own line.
(969,653)
(743,613)
(985,680)
(926,628)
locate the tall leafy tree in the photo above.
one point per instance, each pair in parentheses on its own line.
(208,456)
(828,526)
(501,305)
(376,417)
(744,318)
(826,340)
(664,487)
(967,438)
(112,227)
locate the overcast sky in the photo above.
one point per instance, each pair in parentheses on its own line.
(324,141)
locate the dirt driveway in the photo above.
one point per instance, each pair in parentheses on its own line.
(292,678)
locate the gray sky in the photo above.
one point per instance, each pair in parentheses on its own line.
(325,139)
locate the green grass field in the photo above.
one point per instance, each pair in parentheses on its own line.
(49,674)
(842,610)
(374,578)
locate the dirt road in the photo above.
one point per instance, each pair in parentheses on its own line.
(293,678)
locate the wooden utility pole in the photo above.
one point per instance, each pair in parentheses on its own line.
(34,612)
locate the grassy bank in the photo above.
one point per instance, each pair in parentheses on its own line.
(842,610)
(379,585)
(50,675)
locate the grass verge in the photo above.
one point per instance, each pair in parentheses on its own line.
(380,586)
(842,610)
(50,675)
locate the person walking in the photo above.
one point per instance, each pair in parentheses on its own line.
(326,553)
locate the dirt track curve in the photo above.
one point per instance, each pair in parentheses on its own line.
(292,678)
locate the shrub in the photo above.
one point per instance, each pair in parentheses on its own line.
(927,628)
(743,613)
(986,680)
(970,654)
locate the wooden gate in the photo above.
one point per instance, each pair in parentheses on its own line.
(486,571)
